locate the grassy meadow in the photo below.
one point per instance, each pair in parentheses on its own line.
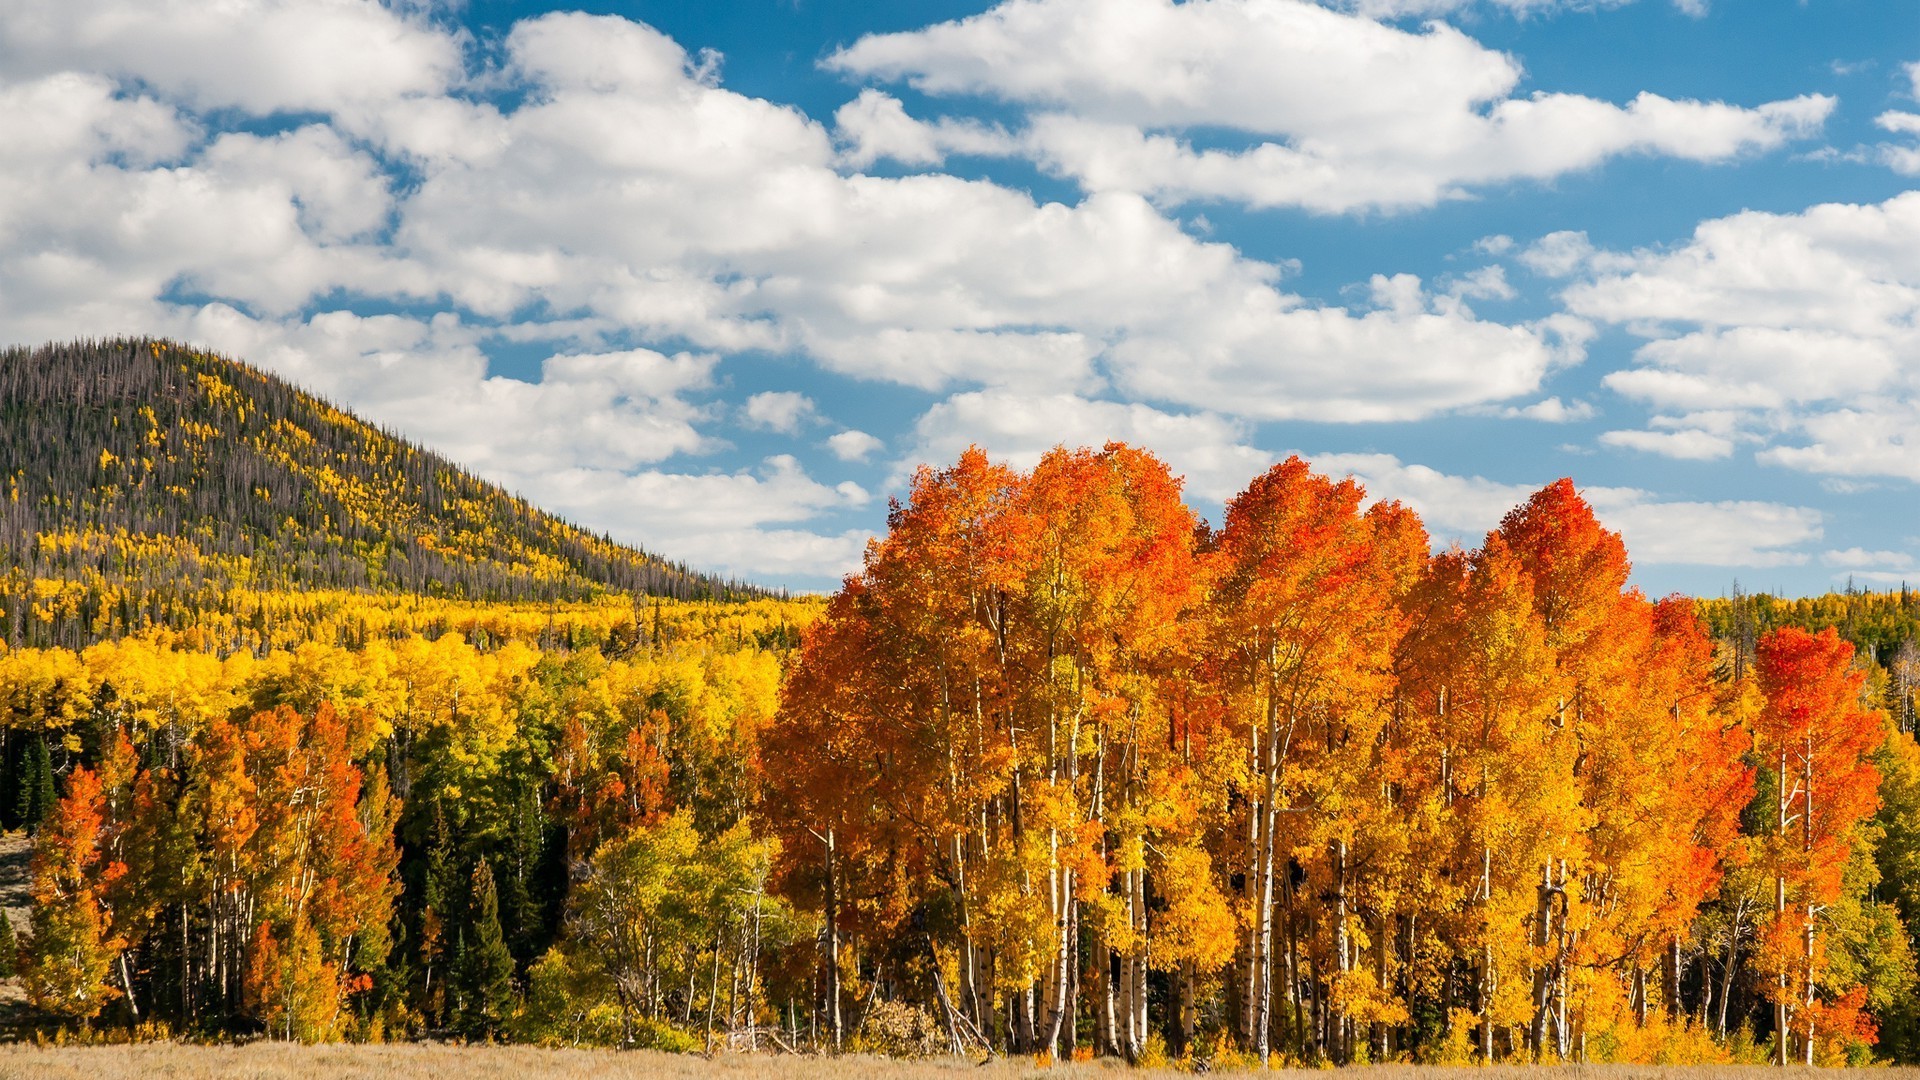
(420,1061)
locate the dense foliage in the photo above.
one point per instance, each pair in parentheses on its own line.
(1082,775)
(403,837)
(144,481)
(1062,771)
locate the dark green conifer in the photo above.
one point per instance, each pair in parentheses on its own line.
(483,976)
(37,794)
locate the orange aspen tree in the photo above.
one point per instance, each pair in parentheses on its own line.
(1303,625)
(1111,577)
(821,775)
(948,698)
(1493,764)
(1816,738)
(70,957)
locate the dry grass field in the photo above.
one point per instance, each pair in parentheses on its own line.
(280,1061)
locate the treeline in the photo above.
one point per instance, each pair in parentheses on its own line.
(1883,627)
(1082,775)
(74,614)
(169,474)
(1062,771)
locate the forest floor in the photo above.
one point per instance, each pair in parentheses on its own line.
(283,1061)
(16,905)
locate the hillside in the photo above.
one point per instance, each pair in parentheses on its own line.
(149,474)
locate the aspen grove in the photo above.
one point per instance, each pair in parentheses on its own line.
(1063,770)
(1089,777)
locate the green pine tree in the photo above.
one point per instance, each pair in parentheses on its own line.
(483,977)
(37,794)
(520,913)
(436,925)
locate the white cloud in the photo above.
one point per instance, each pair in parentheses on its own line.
(1872,567)
(1726,533)
(1856,558)
(782,411)
(1210,450)
(1657,532)
(1341,112)
(1566,253)
(1901,158)
(600,188)
(728,226)
(1798,333)
(263,56)
(1486,283)
(1687,444)
(1412,356)
(1552,411)
(738,522)
(875,125)
(1900,123)
(1399,9)
(853,445)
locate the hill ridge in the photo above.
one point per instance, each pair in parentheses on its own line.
(154,466)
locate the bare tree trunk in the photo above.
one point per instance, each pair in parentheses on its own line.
(1672,987)
(1732,963)
(833,946)
(1806,841)
(713,990)
(1342,953)
(1542,973)
(1780,912)
(1807,1049)
(1188,1014)
(1069,934)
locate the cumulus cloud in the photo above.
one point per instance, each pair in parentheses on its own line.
(1874,567)
(1689,444)
(783,411)
(262,56)
(1400,9)
(1795,333)
(1218,458)
(1552,411)
(729,226)
(1210,450)
(594,196)
(875,125)
(854,445)
(741,522)
(1657,531)
(1903,158)
(1338,111)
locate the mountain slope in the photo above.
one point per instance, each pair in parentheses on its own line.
(147,465)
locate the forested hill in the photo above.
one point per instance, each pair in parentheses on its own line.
(138,465)
(1882,625)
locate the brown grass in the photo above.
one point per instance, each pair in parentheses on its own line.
(281,1061)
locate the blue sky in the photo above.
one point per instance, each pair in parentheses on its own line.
(714,277)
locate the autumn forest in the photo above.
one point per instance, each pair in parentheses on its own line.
(315,737)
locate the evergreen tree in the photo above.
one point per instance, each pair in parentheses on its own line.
(483,975)
(522,915)
(37,795)
(435,903)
